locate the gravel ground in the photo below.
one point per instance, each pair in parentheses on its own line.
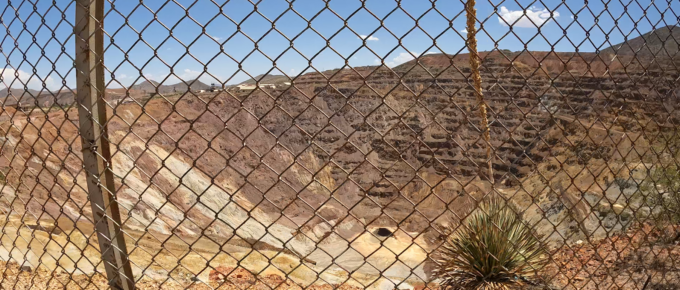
(643,258)
(221,278)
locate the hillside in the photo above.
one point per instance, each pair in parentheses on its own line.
(347,154)
(67,97)
(150,87)
(662,42)
(267,79)
(16,92)
(188,85)
(146,86)
(32,97)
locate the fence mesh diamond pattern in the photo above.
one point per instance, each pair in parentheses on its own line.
(352,144)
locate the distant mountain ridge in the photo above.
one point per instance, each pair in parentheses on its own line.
(46,98)
(17,92)
(150,86)
(266,79)
(146,86)
(31,97)
(661,42)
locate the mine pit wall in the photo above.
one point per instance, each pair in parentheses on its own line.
(186,177)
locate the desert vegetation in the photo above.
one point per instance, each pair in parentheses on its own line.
(658,193)
(492,249)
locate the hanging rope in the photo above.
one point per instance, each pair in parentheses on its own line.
(477,79)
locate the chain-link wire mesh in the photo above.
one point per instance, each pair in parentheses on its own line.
(338,144)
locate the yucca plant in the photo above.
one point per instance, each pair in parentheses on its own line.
(492,250)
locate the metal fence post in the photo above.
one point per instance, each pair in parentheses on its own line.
(89,65)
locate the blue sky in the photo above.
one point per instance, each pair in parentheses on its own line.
(366,32)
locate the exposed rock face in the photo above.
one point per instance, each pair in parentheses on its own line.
(316,170)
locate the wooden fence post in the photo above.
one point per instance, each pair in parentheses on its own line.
(89,40)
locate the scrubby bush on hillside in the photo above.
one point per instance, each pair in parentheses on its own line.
(493,249)
(660,190)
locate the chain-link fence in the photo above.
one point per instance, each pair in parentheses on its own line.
(346,144)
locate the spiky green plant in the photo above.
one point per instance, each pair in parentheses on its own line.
(492,250)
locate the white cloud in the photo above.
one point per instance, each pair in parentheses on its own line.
(405,57)
(186,75)
(370,38)
(18,78)
(122,76)
(464,31)
(377,61)
(517,18)
(401,58)
(572,16)
(189,74)
(292,72)
(217,38)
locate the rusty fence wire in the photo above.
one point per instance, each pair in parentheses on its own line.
(347,144)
